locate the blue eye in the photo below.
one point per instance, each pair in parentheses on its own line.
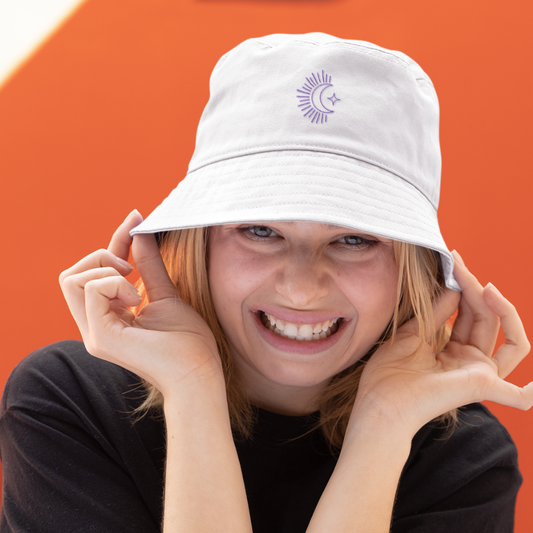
(353,239)
(262,232)
(357,241)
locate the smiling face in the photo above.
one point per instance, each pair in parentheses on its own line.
(300,275)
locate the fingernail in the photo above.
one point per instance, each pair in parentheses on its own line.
(136,292)
(124,263)
(458,258)
(132,213)
(491,286)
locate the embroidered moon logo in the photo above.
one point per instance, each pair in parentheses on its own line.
(312,97)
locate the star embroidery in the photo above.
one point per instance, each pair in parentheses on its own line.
(333,99)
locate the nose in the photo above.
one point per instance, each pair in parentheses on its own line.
(303,280)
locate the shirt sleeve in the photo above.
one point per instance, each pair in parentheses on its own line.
(62,468)
(467,482)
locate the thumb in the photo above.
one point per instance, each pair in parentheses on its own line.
(443,307)
(151,267)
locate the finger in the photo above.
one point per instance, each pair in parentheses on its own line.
(123,313)
(150,264)
(516,346)
(98,259)
(120,243)
(104,327)
(73,288)
(443,308)
(485,323)
(463,323)
(506,393)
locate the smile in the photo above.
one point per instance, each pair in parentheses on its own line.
(304,332)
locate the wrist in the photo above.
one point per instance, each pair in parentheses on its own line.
(378,446)
(195,395)
(375,422)
(364,483)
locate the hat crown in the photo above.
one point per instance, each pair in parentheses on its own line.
(320,93)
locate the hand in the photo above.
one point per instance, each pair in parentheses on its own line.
(409,387)
(167,342)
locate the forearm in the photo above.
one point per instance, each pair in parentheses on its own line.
(359,496)
(204,487)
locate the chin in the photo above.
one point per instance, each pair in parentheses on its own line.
(298,375)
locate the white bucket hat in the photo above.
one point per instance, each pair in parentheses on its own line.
(315,128)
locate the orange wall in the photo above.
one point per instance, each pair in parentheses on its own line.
(102,120)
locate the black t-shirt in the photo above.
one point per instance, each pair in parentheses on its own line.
(74,460)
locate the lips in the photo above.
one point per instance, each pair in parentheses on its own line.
(298,346)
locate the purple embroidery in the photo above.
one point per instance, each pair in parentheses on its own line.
(311,98)
(333,99)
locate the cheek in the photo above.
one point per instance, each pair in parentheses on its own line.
(233,276)
(372,290)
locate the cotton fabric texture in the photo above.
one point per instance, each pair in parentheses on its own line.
(73,460)
(315,128)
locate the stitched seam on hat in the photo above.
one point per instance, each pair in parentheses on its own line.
(386,56)
(360,193)
(351,161)
(319,156)
(262,149)
(258,197)
(368,187)
(368,50)
(426,83)
(391,56)
(213,160)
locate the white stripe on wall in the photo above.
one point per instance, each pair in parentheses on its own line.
(25,25)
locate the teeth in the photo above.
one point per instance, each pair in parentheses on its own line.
(305,332)
(290,330)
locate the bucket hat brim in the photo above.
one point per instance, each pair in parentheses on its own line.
(310,186)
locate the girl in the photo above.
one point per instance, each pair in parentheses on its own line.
(290,329)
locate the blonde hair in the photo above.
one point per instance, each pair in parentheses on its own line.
(420,282)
